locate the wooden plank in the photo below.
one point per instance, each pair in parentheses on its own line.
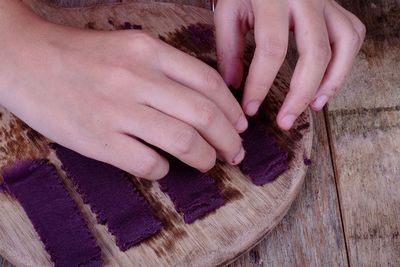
(313,202)
(365,132)
(311,233)
(374,81)
(250,212)
(315,211)
(368,171)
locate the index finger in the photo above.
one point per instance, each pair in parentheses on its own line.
(197,75)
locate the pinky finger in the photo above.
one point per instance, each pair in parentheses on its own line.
(346,43)
(136,158)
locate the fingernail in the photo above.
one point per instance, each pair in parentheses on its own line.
(320,102)
(287,121)
(239,157)
(242,124)
(252,108)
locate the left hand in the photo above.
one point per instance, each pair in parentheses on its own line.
(328,38)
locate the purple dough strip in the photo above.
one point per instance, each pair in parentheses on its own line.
(112,197)
(194,194)
(53,213)
(264,160)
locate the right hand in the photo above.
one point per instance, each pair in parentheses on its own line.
(107,95)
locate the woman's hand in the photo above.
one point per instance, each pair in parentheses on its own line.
(112,96)
(328,38)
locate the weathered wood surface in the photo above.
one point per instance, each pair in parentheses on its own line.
(311,233)
(250,213)
(365,132)
(367,177)
(314,213)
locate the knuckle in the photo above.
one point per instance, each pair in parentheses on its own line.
(321,51)
(206,113)
(210,160)
(331,91)
(185,141)
(301,101)
(335,88)
(361,30)
(324,52)
(213,80)
(220,56)
(143,43)
(145,166)
(354,39)
(273,48)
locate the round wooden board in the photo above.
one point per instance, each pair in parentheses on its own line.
(251,211)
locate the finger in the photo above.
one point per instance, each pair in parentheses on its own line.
(345,46)
(271,32)
(201,113)
(357,24)
(195,74)
(230,40)
(171,135)
(134,157)
(314,55)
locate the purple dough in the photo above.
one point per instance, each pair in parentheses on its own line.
(112,197)
(53,213)
(194,194)
(307,161)
(264,159)
(201,34)
(130,26)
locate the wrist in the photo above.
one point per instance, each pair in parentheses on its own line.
(20,31)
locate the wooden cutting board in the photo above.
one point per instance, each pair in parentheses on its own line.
(251,211)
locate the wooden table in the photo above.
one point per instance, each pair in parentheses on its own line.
(348,212)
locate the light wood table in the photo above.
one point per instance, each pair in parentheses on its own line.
(348,212)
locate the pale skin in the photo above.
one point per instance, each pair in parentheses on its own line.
(107,95)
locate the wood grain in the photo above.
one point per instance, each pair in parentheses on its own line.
(311,233)
(361,109)
(365,133)
(214,240)
(310,248)
(374,82)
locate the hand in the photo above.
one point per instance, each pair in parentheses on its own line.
(110,95)
(328,38)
